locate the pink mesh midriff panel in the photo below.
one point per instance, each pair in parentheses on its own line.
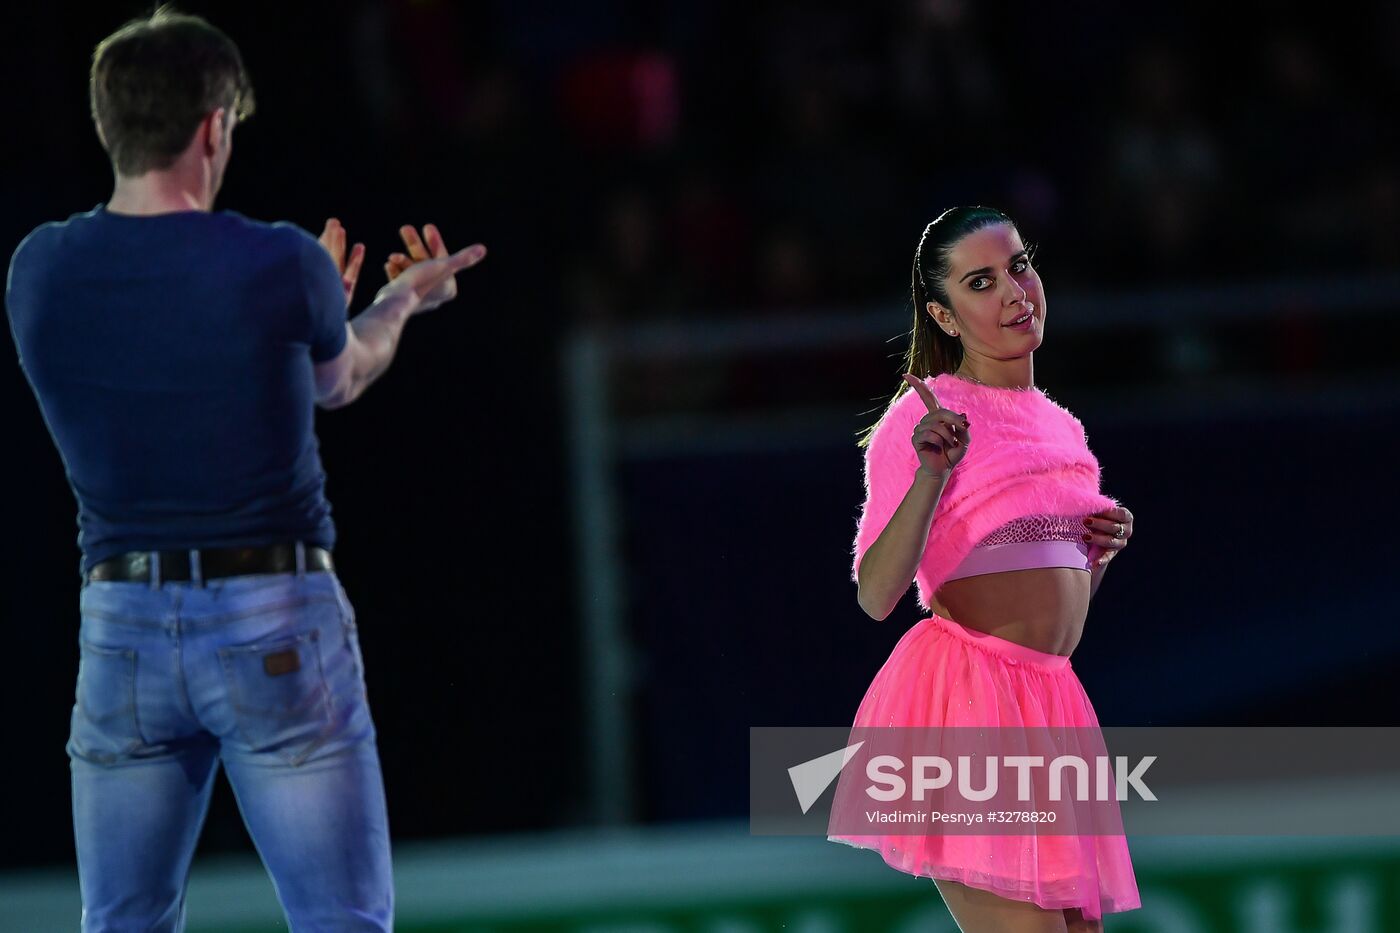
(1028,542)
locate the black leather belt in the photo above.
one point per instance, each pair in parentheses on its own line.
(136,566)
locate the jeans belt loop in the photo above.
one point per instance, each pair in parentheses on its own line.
(196,571)
(301,561)
(153,557)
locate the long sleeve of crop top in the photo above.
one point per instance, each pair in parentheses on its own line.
(890,465)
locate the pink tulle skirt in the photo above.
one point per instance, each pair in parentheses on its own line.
(943,674)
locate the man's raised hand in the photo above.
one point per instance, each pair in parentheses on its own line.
(427,271)
(333,239)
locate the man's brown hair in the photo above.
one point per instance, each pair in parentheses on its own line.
(155,79)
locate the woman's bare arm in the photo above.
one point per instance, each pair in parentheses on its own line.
(892,559)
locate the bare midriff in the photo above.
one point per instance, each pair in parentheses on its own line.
(1042,608)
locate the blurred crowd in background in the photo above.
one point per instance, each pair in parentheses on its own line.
(776,155)
(683,158)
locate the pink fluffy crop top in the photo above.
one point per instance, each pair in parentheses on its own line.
(1027,542)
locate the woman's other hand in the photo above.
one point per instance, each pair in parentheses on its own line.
(1104,532)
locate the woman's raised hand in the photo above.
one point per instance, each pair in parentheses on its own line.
(941,436)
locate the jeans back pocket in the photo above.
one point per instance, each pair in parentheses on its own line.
(103,727)
(277,690)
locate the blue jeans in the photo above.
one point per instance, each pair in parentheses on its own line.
(264,674)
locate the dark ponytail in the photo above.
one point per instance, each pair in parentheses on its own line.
(932,350)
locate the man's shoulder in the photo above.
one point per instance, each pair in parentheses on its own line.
(51,232)
(38,248)
(34,258)
(282,233)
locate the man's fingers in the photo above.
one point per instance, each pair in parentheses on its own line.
(428,277)
(357,259)
(416,249)
(466,258)
(435,277)
(435,243)
(925,393)
(333,239)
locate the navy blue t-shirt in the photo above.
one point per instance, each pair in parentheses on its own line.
(172,356)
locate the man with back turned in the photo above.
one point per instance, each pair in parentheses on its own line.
(178,354)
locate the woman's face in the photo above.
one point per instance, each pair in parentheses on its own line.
(991,284)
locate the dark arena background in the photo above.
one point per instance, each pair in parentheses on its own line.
(596,520)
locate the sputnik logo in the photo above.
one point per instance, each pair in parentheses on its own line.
(811,778)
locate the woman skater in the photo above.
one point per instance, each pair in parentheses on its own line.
(982,490)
